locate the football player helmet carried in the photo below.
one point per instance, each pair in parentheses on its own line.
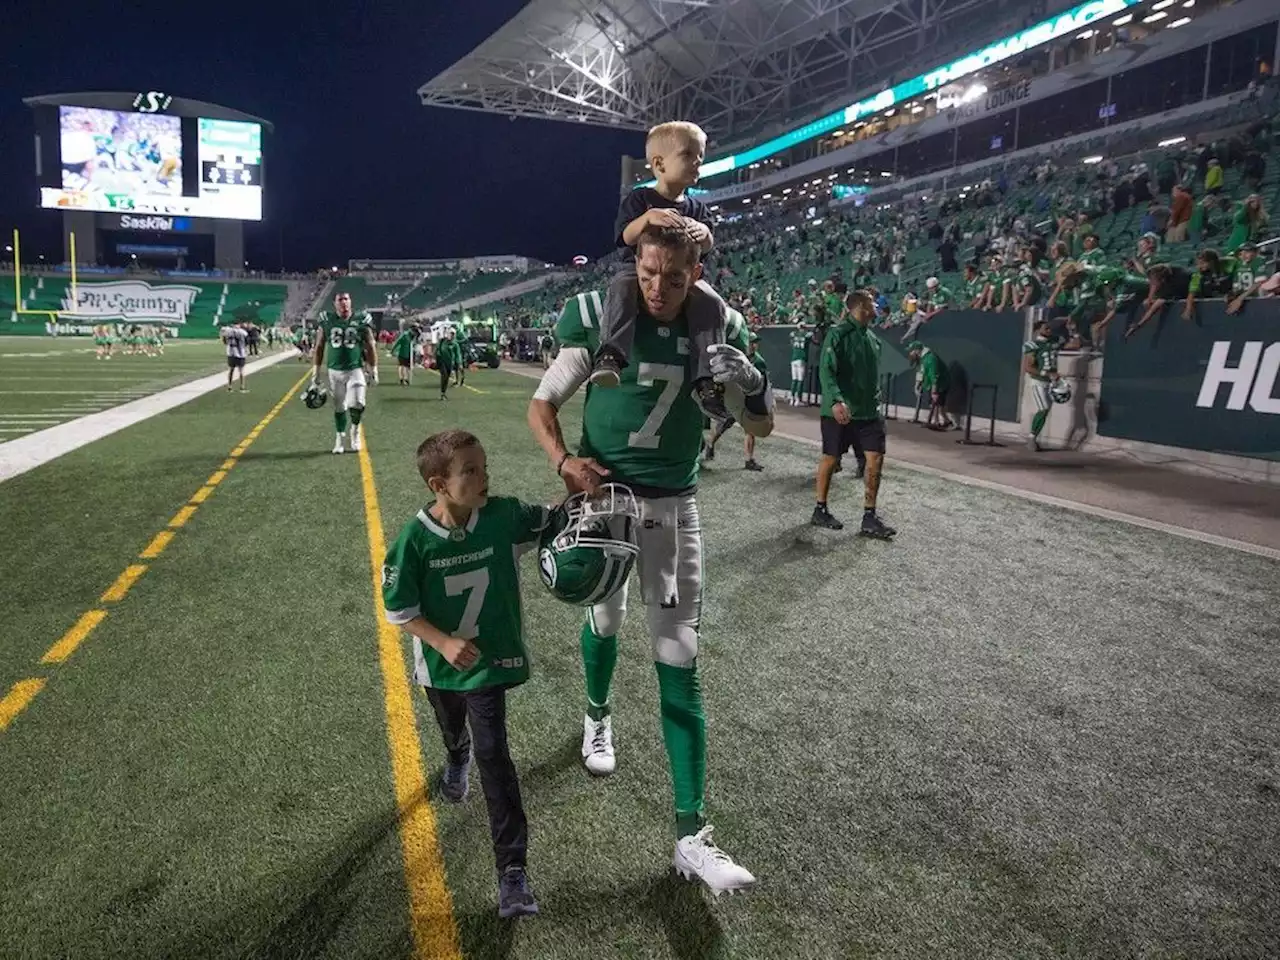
(1060,391)
(315,396)
(588,548)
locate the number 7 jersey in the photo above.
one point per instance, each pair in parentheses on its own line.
(465,581)
(647,430)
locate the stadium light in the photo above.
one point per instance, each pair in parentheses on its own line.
(1154,17)
(1179,22)
(786,191)
(1189,4)
(1162,4)
(1087,35)
(1172,141)
(1121,21)
(8,248)
(885,173)
(767,196)
(1093,159)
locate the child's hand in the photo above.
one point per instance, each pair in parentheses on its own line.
(697,231)
(662,217)
(461,654)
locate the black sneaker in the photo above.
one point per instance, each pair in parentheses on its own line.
(709,396)
(515,899)
(606,372)
(872,527)
(861,471)
(455,784)
(753,466)
(822,518)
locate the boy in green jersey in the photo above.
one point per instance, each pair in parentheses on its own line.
(451,580)
(645,432)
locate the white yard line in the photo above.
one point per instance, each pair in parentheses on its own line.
(35,449)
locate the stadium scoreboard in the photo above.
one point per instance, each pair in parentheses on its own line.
(148,154)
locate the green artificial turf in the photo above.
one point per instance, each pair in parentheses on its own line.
(1017,731)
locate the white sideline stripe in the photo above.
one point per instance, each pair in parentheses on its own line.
(36,449)
(1102,513)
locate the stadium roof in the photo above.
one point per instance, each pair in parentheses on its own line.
(733,65)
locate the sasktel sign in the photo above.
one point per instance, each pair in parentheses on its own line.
(1252,379)
(154,224)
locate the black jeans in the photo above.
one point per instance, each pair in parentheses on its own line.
(475,721)
(445,372)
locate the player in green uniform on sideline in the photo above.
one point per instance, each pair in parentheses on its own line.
(402,350)
(933,380)
(448,359)
(452,582)
(344,343)
(1040,364)
(799,357)
(645,433)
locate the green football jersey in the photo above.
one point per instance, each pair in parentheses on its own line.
(1045,353)
(1243,275)
(403,346)
(757,361)
(933,372)
(344,339)
(799,345)
(647,430)
(465,582)
(1028,279)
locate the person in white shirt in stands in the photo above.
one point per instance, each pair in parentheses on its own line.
(235,337)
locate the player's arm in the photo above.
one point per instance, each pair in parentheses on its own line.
(567,373)
(1029,363)
(369,348)
(317,355)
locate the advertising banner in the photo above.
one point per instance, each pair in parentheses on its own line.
(130,300)
(1212,384)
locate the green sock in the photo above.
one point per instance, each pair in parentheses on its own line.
(340,420)
(599,657)
(684,731)
(356,414)
(1038,421)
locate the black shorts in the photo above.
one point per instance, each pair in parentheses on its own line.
(864,436)
(234,362)
(401,361)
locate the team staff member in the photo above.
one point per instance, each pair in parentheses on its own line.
(848,371)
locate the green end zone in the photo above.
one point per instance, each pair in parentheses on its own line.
(1013,732)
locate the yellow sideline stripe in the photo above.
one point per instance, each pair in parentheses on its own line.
(67,644)
(16,700)
(22,692)
(435,934)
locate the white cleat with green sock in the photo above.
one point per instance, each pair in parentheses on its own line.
(355,437)
(697,856)
(337,444)
(597,746)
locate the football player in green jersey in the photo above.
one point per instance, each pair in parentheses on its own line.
(645,433)
(451,581)
(448,359)
(344,342)
(1040,364)
(799,357)
(934,380)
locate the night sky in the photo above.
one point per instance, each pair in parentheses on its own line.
(356,166)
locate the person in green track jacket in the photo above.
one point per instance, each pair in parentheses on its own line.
(849,372)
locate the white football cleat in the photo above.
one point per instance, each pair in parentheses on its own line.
(597,746)
(337,444)
(697,856)
(355,439)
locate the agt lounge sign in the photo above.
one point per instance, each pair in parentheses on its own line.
(1065,23)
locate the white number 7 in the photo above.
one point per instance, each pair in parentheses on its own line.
(650,373)
(477,582)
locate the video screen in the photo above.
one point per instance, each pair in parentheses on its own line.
(231,168)
(109,157)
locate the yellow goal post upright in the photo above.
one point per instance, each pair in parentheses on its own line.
(53,315)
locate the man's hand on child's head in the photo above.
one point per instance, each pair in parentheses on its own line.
(663,217)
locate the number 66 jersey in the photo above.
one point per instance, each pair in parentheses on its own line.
(465,581)
(648,429)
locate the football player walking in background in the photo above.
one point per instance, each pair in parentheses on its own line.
(344,341)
